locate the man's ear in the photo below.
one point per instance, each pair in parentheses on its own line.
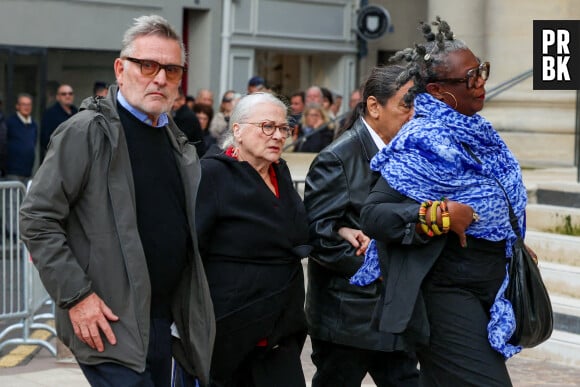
(373,107)
(119,69)
(435,90)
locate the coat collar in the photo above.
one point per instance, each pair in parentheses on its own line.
(367,144)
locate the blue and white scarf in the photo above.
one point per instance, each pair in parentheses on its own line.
(426,161)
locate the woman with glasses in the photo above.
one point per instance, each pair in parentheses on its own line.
(252,232)
(443,262)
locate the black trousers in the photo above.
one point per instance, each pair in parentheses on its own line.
(158,368)
(277,367)
(344,366)
(458,295)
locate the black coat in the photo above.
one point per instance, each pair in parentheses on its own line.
(252,243)
(315,141)
(337,185)
(51,119)
(405,259)
(187,122)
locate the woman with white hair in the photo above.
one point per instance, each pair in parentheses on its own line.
(252,231)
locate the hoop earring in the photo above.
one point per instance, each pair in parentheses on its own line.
(452,96)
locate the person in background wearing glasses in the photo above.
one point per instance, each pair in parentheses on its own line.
(61,111)
(443,257)
(253,233)
(109,222)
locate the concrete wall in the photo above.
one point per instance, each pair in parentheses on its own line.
(537,125)
(77,24)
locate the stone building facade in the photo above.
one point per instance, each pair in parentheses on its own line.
(292,44)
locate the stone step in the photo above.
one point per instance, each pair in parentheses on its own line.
(561,279)
(566,305)
(566,313)
(555,248)
(547,218)
(563,348)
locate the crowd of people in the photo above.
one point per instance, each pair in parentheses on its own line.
(313,116)
(171,236)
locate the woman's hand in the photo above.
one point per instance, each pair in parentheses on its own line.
(532,254)
(461,216)
(356,238)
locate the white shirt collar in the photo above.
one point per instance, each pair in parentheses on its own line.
(378,141)
(26,120)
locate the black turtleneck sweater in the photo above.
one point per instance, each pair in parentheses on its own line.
(161,212)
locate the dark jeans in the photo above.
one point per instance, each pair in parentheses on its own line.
(458,293)
(158,367)
(343,366)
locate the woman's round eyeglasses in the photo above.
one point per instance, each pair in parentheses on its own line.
(269,127)
(471,76)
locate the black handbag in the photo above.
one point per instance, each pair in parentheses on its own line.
(526,290)
(528,295)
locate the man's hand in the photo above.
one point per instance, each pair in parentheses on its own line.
(356,238)
(88,318)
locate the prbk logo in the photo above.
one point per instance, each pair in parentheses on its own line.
(556,54)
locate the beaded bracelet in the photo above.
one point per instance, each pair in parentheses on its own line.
(422,219)
(445,219)
(434,225)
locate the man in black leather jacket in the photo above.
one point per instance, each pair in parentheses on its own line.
(345,345)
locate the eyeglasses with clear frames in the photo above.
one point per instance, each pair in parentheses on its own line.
(151,68)
(269,127)
(471,76)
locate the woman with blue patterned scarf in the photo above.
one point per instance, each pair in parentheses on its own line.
(443,256)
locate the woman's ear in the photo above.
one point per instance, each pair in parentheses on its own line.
(435,90)
(236,129)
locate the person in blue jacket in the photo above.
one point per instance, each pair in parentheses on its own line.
(21,134)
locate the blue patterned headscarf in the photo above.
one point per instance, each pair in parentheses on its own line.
(426,161)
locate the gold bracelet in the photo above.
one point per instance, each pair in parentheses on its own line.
(445,219)
(422,220)
(434,225)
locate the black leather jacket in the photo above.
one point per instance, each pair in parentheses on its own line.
(337,185)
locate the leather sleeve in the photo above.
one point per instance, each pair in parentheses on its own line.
(326,199)
(389,216)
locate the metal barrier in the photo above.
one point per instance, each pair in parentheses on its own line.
(299,186)
(22,294)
